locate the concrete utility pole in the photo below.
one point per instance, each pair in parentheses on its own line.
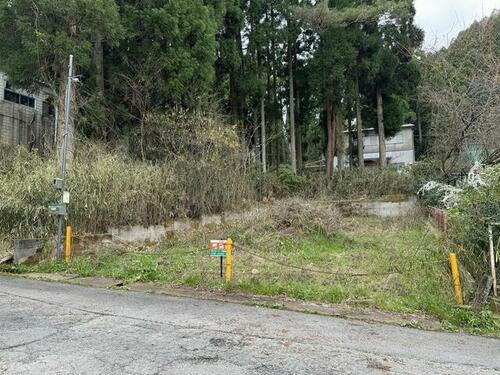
(64,154)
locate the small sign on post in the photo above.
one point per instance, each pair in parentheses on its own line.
(217,248)
(222,249)
(57,209)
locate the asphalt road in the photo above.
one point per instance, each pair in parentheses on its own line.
(48,328)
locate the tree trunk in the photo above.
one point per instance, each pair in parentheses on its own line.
(330,124)
(298,131)
(276,130)
(359,128)
(98,63)
(293,151)
(284,141)
(256,158)
(233,97)
(263,139)
(284,146)
(340,143)
(419,126)
(381,129)
(351,142)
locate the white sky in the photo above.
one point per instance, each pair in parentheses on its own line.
(442,20)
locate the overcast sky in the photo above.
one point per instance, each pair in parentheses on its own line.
(442,20)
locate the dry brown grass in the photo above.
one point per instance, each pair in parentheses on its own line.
(111,188)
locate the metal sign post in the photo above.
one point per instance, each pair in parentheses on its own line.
(61,182)
(223,249)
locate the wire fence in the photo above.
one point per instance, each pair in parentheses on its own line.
(311,270)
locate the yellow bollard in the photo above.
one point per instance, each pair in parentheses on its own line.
(456,278)
(67,252)
(229,259)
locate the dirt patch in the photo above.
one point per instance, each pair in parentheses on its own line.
(97,282)
(54,277)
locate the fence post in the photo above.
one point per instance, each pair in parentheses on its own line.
(229,259)
(493,260)
(456,278)
(67,250)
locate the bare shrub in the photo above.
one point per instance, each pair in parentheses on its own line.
(305,216)
(371,183)
(110,188)
(292,216)
(462,88)
(345,184)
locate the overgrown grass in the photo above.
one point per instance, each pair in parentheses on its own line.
(403,262)
(110,189)
(345,184)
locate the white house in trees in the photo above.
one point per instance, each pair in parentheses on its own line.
(400,149)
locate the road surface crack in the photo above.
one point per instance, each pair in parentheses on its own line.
(122,316)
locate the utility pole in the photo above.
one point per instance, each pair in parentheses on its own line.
(60,183)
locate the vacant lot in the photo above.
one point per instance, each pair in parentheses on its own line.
(307,251)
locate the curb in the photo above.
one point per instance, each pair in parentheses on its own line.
(343,311)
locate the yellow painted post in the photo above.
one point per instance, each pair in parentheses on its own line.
(456,278)
(67,252)
(229,260)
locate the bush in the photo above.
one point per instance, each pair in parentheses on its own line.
(110,188)
(372,183)
(476,206)
(284,183)
(297,215)
(424,171)
(25,192)
(345,184)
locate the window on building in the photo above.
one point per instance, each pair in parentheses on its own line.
(48,109)
(12,96)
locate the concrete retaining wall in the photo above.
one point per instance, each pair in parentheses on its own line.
(382,208)
(155,233)
(386,208)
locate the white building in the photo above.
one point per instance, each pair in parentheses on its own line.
(25,118)
(400,149)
